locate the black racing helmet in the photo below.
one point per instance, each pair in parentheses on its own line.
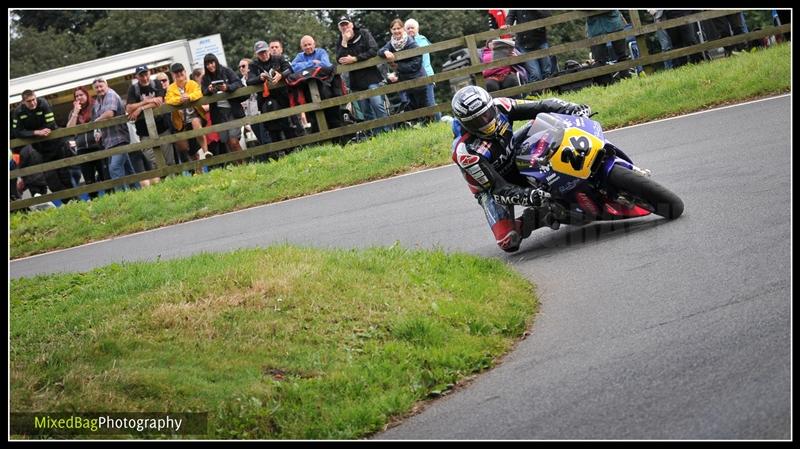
(474,108)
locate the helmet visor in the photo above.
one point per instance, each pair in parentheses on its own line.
(484,124)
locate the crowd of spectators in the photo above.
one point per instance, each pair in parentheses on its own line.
(286,82)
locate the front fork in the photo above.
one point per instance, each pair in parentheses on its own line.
(615,156)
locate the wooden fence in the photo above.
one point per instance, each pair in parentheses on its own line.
(471,42)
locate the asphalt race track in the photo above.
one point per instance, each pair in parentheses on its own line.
(648,329)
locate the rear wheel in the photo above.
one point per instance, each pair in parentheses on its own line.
(646,192)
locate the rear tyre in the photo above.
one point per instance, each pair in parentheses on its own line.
(646,192)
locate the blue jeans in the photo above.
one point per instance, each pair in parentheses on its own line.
(374,108)
(538,69)
(75,175)
(666,45)
(430,100)
(119,166)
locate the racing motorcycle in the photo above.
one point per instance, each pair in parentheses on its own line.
(587,178)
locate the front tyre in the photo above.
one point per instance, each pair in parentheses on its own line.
(646,192)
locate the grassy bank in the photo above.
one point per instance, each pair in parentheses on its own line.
(277,343)
(322,168)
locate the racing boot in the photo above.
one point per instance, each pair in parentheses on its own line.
(507,235)
(535,218)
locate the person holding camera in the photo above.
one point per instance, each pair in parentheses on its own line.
(182,93)
(269,67)
(220,79)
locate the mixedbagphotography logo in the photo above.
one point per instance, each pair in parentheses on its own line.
(99,423)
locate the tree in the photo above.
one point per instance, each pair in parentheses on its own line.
(124,30)
(75,21)
(239,30)
(33,51)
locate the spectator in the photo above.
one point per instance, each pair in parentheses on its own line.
(310,56)
(609,22)
(406,69)
(506,76)
(681,36)
(528,41)
(250,106)
(357,44)
(180,93)
(108,105)
(312,65)
(212,138)
(164,82)
(13,161)
(412,28)
(782,17)
(34,118)
(147,94)
(726,26)
(85,143)
(497,19)
(661,34)
(27,156)
(221,79)
(276,54)
(270,67)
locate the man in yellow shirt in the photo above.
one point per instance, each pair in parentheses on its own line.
(180,93)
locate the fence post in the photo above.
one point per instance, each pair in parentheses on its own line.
(641,41)
(472,48)
(322,124)
(152,132)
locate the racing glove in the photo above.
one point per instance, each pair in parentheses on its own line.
(580,109)
(537,197)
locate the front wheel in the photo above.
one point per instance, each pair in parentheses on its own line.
(646,192)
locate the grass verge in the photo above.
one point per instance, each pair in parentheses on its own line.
(315,169)
(277,343)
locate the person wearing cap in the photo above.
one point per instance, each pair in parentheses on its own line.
(180,93)
(357,44)
(224,110)
(269,67)
(108,105)
(147,93)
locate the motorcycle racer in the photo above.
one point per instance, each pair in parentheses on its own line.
(486,151)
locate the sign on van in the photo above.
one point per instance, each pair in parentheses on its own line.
(204,45)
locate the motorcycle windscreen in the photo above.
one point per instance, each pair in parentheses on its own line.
(545,134)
